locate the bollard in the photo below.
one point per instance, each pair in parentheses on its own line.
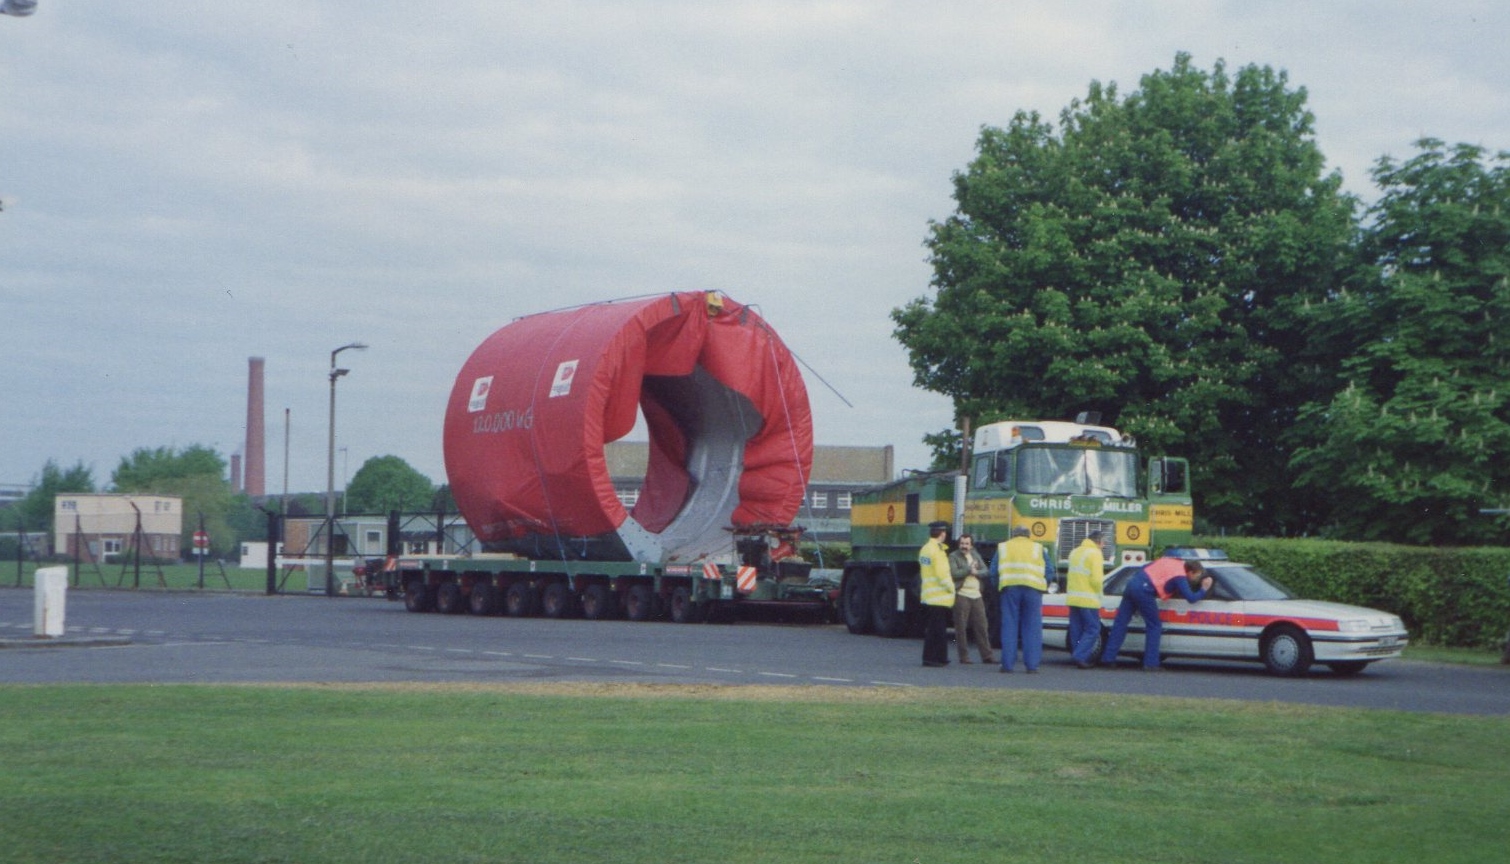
(51,595)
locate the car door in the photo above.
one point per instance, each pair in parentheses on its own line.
(1213,627)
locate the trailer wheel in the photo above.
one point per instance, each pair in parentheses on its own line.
(639,603)
(483,600)
(598,602)
(418,597)
(888,621)
(520,600)
(856,602)
(449,599)
(683,610)
(557,601)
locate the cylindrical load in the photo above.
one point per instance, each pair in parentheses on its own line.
(731,441)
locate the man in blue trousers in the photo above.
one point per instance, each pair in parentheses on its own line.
(1157,581)
(1022,571)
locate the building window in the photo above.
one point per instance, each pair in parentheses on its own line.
(111,545)
(629,497)
(70,506)
(843,500)
(374,537)
(820,501)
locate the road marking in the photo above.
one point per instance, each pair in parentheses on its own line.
(540,656)
(775,674)
(717,669)
(889,684)
(627,662)
(583,659)
(459,650)
(672,666)
(422,647)
(498,653)
(834,680)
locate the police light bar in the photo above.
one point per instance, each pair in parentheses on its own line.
(1195,553)
(18,8)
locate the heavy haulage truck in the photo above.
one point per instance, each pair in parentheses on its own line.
(1059,480)
(711,533)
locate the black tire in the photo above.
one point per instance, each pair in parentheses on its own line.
(1287,651)
(683,610)
(856,602)
(418,597)
(598,603)
(639,603)
(557,601)
(887,621)
(1347,668)
(520,600)
(483,600)
(449,599)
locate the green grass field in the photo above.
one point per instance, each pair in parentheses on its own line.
(641,774)
(174,577)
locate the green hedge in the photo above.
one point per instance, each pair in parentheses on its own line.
(1452,597)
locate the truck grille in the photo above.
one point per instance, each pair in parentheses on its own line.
(1072,532)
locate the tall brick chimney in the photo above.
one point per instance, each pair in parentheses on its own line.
(255,483)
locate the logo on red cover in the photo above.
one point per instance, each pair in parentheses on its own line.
(561,384)
(480,389)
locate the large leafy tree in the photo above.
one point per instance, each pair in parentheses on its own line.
(1412,443)
(385,483)
(1151,258)
(36,509)
(197,475)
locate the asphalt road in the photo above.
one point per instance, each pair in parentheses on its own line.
(151,637)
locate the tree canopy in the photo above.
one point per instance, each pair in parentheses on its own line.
(196,474)
(1411,444)
(1149,258)
(36,509)
(385,483)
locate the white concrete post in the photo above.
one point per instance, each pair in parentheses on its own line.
(51,596)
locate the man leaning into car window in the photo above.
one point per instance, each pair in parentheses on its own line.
(1159,580)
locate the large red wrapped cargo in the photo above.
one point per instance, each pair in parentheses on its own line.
(731,442)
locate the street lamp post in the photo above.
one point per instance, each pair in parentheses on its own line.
(330,475)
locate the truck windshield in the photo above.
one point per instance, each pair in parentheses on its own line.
(1078,471)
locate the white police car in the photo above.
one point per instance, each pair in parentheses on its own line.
(1247,616)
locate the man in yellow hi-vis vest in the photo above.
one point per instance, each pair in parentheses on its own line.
(1082,592)
(1022,572)
(937,595)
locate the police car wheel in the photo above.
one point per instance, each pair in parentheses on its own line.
(1287,651)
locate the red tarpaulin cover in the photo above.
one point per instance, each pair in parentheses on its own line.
(730,427)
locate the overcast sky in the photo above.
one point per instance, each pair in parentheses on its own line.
(186,185)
